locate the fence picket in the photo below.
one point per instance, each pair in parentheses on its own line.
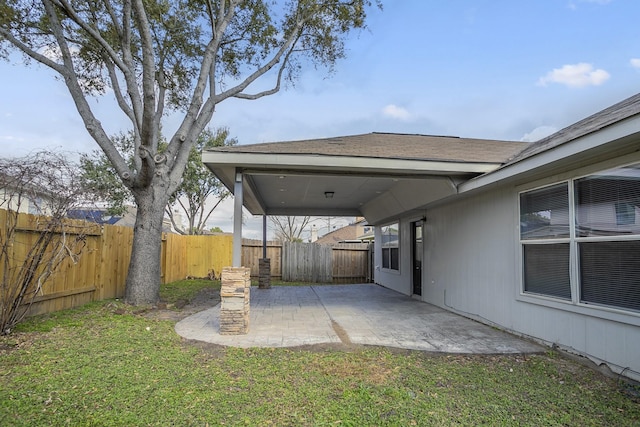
(101,271)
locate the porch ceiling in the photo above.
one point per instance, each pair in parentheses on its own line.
(293,178)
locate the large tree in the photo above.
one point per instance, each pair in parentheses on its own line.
(198,195)
(201,192)
(158,55)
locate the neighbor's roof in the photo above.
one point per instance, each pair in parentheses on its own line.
(392,146)
(348,232)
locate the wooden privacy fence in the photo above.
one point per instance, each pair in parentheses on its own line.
(306,262)
(98,273)
(101,271)
(311,262)
(195,256)
(252,252)
(352,263)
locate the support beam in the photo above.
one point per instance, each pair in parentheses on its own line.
(264,236)
(237,219)
(264,264)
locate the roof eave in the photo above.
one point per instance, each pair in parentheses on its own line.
(622,135)
(327,163)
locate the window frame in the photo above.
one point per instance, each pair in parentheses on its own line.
(547,241)
(575,304)
(389,264)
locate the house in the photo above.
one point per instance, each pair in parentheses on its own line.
(357,232)
(97,215)
(24,197)
(540,239)
(129,220)
(101,216)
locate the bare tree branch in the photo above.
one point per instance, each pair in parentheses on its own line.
(175,54)
(44,183)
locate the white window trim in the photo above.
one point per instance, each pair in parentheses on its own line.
(574,305)
(388,269)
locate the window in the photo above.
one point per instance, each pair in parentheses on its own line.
(546,270)
(390,247)
(544,233)
(544,213)
(608,237)
(590,225)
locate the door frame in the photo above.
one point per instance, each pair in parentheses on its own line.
(417,256)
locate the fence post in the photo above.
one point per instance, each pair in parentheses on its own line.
(264,273)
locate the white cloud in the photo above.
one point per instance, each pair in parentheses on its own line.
(635,63)
(396,112)
(538,133)
(573,5)
(575,75)
(12,139)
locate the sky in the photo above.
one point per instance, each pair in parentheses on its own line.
(497,69)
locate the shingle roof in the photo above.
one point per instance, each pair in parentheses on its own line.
(348,232)
(442,148)
(393,146)
(620,111)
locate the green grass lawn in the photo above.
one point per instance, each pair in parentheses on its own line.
(104,365)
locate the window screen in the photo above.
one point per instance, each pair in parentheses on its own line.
(546,270)
(606,218)
(610,273)
(607,204)
(544,213)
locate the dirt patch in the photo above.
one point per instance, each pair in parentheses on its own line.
(209,350)
(340,332)
(5,348)
(205,299)
(9,343)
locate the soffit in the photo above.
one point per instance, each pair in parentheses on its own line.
(292,178)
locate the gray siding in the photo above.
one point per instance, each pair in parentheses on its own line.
(470,257)
(472,267)
(399,281)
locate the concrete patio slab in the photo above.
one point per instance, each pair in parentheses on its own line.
(364,314)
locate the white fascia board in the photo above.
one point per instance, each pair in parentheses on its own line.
(584,143)
(343,163)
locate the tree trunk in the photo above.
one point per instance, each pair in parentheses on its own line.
(143,279)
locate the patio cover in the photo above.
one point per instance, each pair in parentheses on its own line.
(375,175)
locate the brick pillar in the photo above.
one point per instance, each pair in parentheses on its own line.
(234,300)
(264,273)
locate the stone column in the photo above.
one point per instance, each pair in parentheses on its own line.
(264,273)
(234,300)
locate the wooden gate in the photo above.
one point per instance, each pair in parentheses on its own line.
(307,262)
(312,262)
